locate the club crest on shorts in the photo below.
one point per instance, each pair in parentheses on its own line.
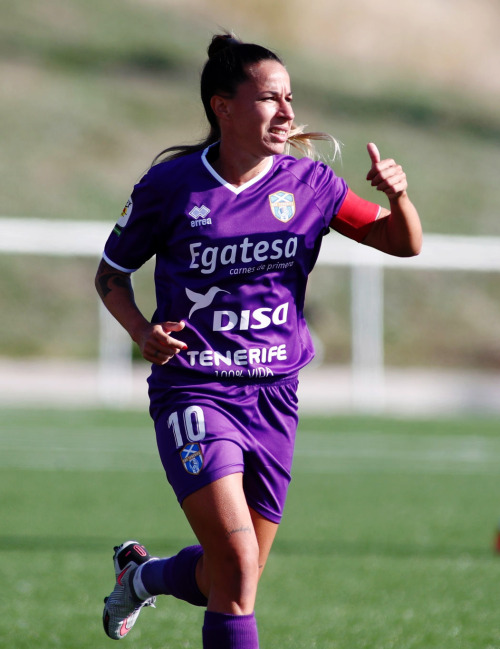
(282,206)
(192,458)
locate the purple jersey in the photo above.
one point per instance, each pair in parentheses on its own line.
(231,262)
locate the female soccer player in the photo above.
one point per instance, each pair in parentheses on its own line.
(236,226)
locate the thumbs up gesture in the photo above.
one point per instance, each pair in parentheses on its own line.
(386,175)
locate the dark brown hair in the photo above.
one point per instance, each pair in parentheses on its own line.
(229,60)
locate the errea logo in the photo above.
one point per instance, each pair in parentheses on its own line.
(199,214)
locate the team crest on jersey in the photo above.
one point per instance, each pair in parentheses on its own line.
(192,458)
(124,217)
(282,206)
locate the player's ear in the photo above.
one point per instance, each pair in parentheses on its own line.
(221,107)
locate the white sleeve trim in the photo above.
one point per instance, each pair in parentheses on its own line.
(117,266)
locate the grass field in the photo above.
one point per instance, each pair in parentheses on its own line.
(387,539)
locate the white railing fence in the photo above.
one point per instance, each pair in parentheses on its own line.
(440,252)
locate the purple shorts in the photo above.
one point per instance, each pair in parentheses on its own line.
(207,431)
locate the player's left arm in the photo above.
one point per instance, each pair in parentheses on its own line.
(398,230)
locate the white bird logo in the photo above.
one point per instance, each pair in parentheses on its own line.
(201,301)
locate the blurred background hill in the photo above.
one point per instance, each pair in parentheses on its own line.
(92,91)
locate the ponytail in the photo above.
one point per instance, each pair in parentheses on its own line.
(225,69)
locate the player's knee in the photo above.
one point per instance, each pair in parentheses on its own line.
(237,572)
(243,561)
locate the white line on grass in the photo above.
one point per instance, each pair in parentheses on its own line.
(338,453)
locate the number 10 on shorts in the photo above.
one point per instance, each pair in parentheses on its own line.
(188,425)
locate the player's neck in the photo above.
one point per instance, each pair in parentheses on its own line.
(238,169)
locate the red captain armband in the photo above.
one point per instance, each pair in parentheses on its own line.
(355,217)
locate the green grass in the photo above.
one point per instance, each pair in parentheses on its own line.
(386,542)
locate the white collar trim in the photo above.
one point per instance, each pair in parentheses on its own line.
(235,190)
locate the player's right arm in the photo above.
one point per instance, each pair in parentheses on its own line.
(115,290)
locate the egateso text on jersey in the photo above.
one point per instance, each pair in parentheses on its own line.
(276,254)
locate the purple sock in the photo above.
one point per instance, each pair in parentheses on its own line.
(222,631)
(175,576)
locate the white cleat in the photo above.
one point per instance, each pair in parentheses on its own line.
(122,607)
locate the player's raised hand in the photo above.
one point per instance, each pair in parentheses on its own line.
(386,175)
(373,152)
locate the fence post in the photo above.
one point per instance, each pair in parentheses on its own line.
(115,383)
(367,326)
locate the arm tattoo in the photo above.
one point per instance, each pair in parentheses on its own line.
(109,278)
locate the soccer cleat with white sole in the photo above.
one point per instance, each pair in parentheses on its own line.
(122,608)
